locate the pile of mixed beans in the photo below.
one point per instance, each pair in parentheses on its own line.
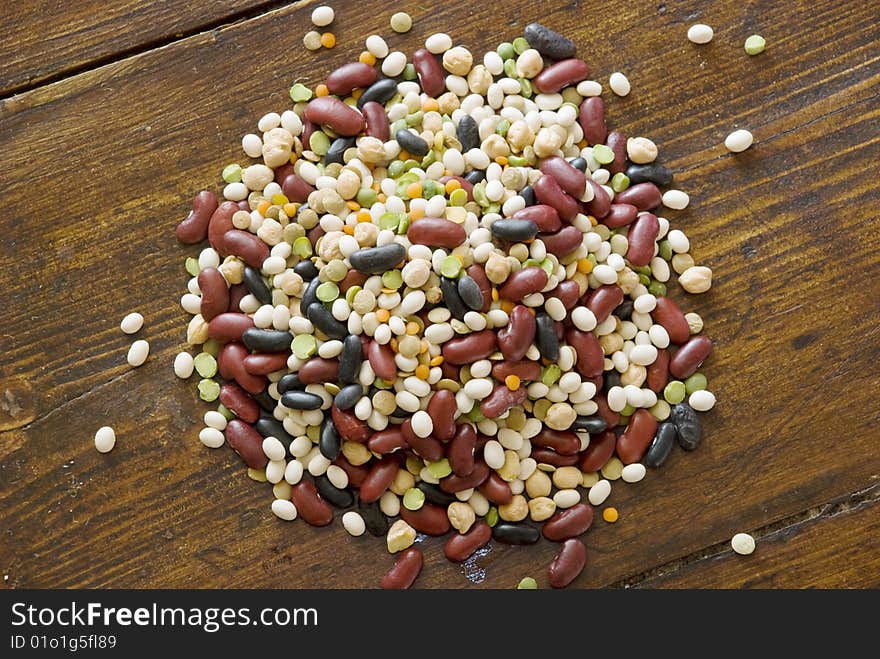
(436,298)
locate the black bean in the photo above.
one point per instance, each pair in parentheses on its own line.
(310,295)
(374,518)
(514,230)
(590,424)
(253,281)
(324,321)
(624,310)
(266,340)
(549,43)
(351,359)
(470,293)
(435,495)
(688,426)
(380,91)
(329,442)
(528,193)
(301,400)
(579,163)
(468,133)
(337,149)
(546,338)
(269,426)
(612,379)
(653,172)
(265,401)
(451,299)
(515,534)
(327,490)
(307,270)
(377,260)
(348,396)
(411,142)
(475,176)
(288,382)
(662,445)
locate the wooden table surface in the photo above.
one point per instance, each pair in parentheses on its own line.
(114,114)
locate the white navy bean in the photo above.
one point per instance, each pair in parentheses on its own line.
(105,439)
(702,401)
(676,199)
(738,140)
(354,523)
(132,322)
(566,498)
(211,437)
(743,543)
(183,365)
(619,83)
(633,473)
(599,492)
(284,509)
(138,353)
(213,419)
(700,33)
(293,472)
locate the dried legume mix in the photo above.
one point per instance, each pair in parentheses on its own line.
(435,297)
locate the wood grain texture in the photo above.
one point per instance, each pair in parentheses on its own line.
(45,39)
(104,164)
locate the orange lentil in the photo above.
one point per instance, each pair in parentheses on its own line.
(381,197)
(414,190)
(447,172)
(495,295)
(593,220)
(393,344)
(507,306)
(423,348)
(279,199)
(389,291)
(263,206)
(328,40)
(353,205)
(356,94)
(290,209)
(436,361)
(367,57)
(610,515)
(512,382)
(430,105)
(321,90)
(404,155)
(585,266)
(416,213)
(382,315)
(348,229)
(422,372)
(412,328)
(501,160)
(452,185)
(364,216)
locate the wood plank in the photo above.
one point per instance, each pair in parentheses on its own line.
(45,40)
(787,227)
(825,551)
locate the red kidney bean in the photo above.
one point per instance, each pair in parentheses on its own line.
(220,223)
(568,293)
(524,370)
(250,248)
(318,370)
(658,372)
(441,409)
(349,77)
(590,357)
(456,483)
(562,442)
(314,234)
(470,348)
(436,232)
(378,479)
(236,294)
(387,441)
(545,217)
(514,339)
(352,278)
(548,191)
(568,564)
(642,236)
(496,490)
(561,74)
(669,315)
(427,447)
(604,300)
(461,546)
(265,363)
(620,215)
(563,242)
(572,180)
(600,205)
(636,439)
(523,282)
(229,326)
(466,185)
(237,399)
(215,293)
(461,450)
(230,361)
(449,371)
(349,427)
(356,473)
(616,141)
(551,457)
(569,523)
(247,442)
(478,274)
(644,196)
(430,73)
(689,356)
(430,519)
(330,111)
(382,360)
(405,571)
(500,400)
(611,417)
(309,504)
(282,172)
(194,229)
(599,451)
(376,121)
(592,120)
(308,128)
(296,188)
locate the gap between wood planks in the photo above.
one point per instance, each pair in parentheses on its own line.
(98,62)
(785,526)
